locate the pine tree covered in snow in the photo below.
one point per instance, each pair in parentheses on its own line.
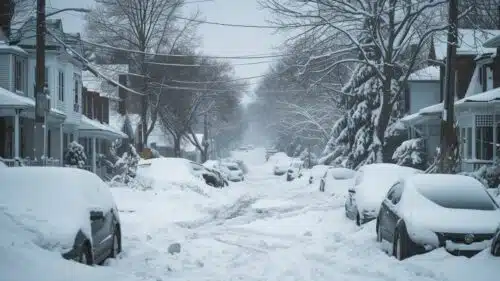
(75,155)
(411,153)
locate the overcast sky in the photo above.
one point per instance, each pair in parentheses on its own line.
(217,40)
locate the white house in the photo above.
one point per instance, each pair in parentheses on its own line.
(477,70)
(63,76)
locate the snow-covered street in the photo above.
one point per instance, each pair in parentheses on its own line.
(266,229)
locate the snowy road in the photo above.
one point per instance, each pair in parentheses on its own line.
(266,229)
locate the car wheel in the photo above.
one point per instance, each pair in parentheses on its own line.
(85,255)
(115,248)
(495,249)
(402,247)
(379,234)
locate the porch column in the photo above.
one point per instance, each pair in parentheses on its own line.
(61,144)
(17,134)
(495,141)
(94,158)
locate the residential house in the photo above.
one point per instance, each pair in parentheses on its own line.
(63,77)
(474,72)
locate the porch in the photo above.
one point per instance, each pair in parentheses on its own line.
(478,120)
(96,139)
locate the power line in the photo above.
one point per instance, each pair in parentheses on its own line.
(243,57)
(208,65)
(245,25)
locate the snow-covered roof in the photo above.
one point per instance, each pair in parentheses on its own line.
(430,73)
(433,109)
(493,42)
(9,99)
(93,127)
(492,95)
(411,117)
(99,84)
(470,42)
(4,47)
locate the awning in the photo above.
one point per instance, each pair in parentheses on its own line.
(94,129)
(11,100)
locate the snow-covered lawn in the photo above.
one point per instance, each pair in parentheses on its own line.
(267,229)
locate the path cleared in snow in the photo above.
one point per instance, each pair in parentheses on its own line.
(266,229)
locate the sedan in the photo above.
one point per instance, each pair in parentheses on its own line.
(371,183)
(335,174)
(427,211)
(70,211)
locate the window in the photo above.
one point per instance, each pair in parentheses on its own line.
(61,86)
(76,88)
(394,194)
(484,143)
(457,196)
(18,74)
(469,143)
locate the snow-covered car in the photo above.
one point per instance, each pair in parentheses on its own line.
(69,211)
(334,175)
(214,178)
(495,243)
(371,183)
(234,171)
(427,211)
(178,171)
(294,170)
(281,163)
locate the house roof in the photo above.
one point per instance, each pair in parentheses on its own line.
(6,48)
(430,73)
(9,99)
(470,42)
(492,95)
(493,42)
(101,85)
(94,128)
(433,109)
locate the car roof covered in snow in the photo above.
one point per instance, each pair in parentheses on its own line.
(443,181)
(54,202)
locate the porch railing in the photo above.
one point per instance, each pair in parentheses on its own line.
(29,162)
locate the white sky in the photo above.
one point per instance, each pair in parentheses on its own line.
(216,40)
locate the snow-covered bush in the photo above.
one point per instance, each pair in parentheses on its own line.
(411,153)
(487,175)
(310,159)
(75,155)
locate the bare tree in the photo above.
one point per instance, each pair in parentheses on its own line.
(144,26)
(387,37)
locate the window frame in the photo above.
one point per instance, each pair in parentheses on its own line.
(60,85)
(19,75)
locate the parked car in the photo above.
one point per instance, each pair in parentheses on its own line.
(495,243)
(427,211)
(371,183)
(295,170)
(335,174)
(234,172)
(214,178)
(68,210)
(270,152)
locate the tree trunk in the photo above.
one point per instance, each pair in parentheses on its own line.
(177,146)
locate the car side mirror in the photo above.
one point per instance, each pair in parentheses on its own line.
(96,215)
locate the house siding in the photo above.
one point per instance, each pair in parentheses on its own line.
(423,94)
(5,71)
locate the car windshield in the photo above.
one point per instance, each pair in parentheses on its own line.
(458,197)
(232,168)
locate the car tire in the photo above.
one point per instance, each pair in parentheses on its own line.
(402,246)
(379,234)
(115,247)
(322,187)
(495,249)
(85,255)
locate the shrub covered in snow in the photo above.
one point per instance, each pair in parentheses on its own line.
(489,176)
(411,153)
(75,155)
(310,159)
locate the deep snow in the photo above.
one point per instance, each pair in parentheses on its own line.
(264,228)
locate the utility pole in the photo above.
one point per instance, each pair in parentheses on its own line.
(448,134)
(42,105)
